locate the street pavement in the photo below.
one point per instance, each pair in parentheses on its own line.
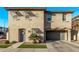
(56,46)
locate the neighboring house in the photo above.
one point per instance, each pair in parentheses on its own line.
(75,28)
(3,32)
(50,25)
(3,29)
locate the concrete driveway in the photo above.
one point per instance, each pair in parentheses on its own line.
(61,46)
(56,46)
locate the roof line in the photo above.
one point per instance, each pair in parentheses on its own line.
(75,16)
(24,8)
(59,11)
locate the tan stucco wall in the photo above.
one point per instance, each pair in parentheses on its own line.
(57,21)
(15,25)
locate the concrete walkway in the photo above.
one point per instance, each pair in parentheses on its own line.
(15,45)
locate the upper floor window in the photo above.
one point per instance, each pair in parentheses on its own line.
(29,14)
(26,14)
(17,14)
(64,17)
(49,17)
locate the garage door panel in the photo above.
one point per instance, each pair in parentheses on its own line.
(50,35)
(53,35)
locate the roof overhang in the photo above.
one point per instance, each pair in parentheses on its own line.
(75,17)
(58,30)
(50,12)
(25,8)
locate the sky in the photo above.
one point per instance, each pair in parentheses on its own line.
(4,13)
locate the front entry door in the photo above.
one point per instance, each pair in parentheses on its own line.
(21,35)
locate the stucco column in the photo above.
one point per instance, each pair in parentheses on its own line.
(78,36)
(65,36)
(69,35)
(74,37)
(7,36)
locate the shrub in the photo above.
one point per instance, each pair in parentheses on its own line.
(7,42)
(34,37)
(14,42)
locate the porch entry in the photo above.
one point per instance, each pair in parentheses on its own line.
(21,35)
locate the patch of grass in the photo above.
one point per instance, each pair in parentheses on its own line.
(32,46)
(4,45)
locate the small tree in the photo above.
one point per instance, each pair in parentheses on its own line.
(34,37)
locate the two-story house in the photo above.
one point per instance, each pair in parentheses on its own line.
(3,32)
(75,23)
(50,25)
(75,28)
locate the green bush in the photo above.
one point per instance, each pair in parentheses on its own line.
(34,37)
(7,42)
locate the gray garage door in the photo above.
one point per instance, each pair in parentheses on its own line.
(50,35)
